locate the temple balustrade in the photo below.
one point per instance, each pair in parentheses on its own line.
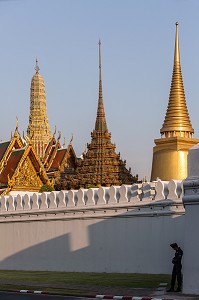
(160,197)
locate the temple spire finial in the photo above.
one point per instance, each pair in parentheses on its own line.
(177,48)
(17,124)
(36,66)
(100,61)
(16,127)
(71,139)
(55,131)
(64,144)
(59,136)
(100,124)
(100,72)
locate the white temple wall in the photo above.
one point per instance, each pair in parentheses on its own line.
(119,229)
(97,245)
(191,240)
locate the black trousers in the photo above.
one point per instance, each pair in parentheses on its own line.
(176,273)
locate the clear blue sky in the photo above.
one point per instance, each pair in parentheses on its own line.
(137,60)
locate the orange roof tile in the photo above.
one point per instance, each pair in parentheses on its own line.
(3,148)
(58,158)
(11,165)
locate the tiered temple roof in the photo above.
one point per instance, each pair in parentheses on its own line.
(101,165)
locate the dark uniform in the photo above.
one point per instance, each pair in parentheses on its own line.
(177,267)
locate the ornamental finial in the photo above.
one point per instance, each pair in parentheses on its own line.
(55,131)
(177,48)
(71,139)
(59,136)
(37,67)
(17,124)
(64,144)
(100,62)
(16,128)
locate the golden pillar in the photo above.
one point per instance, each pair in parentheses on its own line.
(170,152)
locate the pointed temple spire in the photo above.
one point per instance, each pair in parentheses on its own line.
(101,165)
(171,150)
(37,67)
(38,128)
(177,48)
(100,124)
(177,121)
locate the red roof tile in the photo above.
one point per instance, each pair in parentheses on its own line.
(3,148)
(11,165)
(58,159)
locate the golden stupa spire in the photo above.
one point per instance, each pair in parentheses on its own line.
(100,124)
(177,121)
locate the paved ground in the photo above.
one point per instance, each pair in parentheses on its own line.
(106,290)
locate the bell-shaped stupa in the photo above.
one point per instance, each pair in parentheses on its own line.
(170,152)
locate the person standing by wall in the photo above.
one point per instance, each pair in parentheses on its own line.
(177,268)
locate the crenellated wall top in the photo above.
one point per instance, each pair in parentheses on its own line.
(142,198)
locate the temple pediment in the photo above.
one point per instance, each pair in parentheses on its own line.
(21,168)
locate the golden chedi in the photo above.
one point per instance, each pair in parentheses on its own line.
(38,129)
(101,165)
(170,152)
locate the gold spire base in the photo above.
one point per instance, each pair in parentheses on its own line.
(170,158)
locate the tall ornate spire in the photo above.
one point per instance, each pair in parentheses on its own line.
(100,124)
(101,165)
(177,121)
(38,127)
(170,152)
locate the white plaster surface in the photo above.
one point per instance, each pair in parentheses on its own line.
(193,161)
(191,250)
(191,239)
(120,244)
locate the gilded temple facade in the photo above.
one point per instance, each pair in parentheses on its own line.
(38,129)
(20,167)
(171,150)
(101,165)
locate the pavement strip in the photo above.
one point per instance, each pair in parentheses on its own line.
(99,296)
(161,289)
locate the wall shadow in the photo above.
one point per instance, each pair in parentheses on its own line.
(117,244)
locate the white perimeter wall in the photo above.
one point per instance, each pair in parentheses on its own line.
(118,229)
